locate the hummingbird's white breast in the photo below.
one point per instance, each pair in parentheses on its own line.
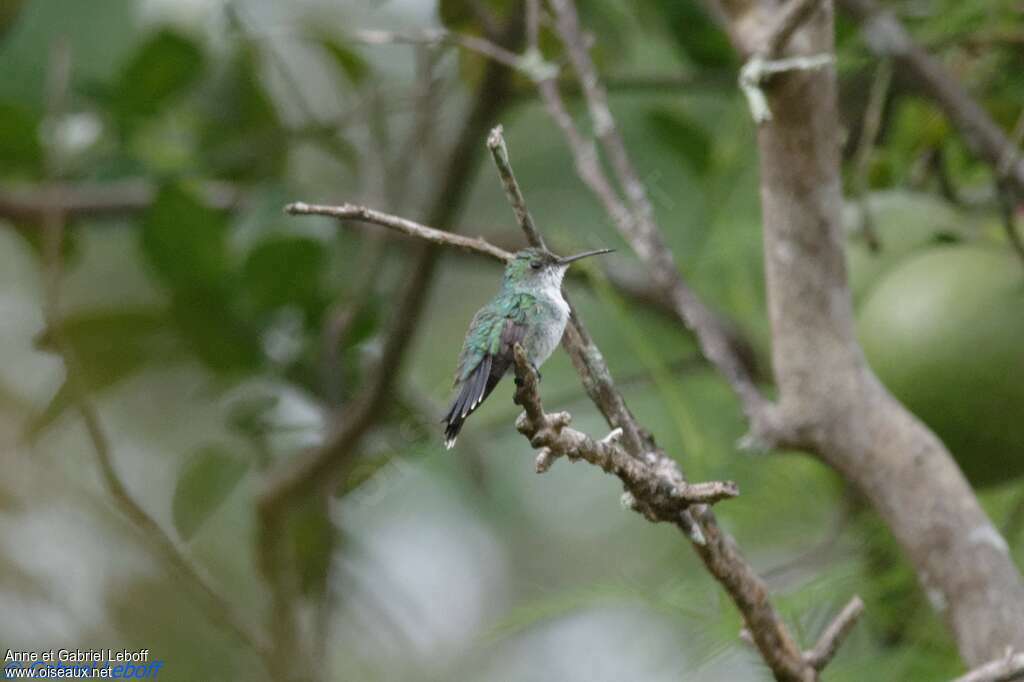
(547,336)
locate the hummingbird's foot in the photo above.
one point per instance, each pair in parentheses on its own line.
(519,381)
(539,375)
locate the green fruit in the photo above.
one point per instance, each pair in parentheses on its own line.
(905,223)
(944,330)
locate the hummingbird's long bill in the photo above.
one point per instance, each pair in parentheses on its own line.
(586,254)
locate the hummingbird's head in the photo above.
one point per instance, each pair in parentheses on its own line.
(540,268)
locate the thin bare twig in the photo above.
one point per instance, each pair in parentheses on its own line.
(862,158)
(828,643)
(1008,213)
(1006,669)
(499,152)
(532,25)
(1004,188)
(407,227)
(440,36)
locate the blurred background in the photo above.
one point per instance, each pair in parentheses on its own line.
(210,337)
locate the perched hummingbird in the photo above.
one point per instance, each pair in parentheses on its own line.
(528,310)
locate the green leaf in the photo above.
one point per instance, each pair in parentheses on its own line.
(161,69)
(19,139)
(108,346)
(250,416)
(115,338)
(283,271)
(243,137)
(348,60)
(683,135)
(917,125)
(209,477)
(186,244)
(696,36)
(221,339)
(185,241)
(456,15)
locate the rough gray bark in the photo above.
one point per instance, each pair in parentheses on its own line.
(830,401)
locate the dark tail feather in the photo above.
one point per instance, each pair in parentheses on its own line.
(451,432)
(474,389)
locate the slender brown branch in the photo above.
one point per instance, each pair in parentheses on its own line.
(657,487)
(407,227)
(499,152)
(832,636)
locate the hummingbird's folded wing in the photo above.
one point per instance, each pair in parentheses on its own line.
(486,357)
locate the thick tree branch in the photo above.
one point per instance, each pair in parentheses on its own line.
(829,399)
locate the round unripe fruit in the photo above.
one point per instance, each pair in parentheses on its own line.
(905,223)
(944,331)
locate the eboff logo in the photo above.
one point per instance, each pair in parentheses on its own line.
(16,670)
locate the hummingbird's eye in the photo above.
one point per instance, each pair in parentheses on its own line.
(535,264)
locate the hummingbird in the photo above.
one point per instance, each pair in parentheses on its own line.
(529,310)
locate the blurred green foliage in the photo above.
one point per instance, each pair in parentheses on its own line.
(208,478)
